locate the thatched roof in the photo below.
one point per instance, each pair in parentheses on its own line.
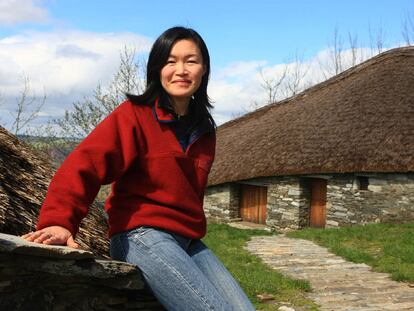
(361,120)
(24,178)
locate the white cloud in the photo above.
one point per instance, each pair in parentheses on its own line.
(63,62)
(238,70)
(74,51)
(66,66)
(233,88)
(14,12)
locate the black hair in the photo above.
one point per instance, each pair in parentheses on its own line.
(158,57)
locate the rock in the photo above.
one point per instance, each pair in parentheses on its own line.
(62,278)
(265,297)
(15,244)
(285,308)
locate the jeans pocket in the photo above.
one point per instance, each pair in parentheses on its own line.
(150,237)
(138,231)
(141,236)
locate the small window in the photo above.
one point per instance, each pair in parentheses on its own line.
(363,182)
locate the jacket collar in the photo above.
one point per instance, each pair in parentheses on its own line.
(163,112)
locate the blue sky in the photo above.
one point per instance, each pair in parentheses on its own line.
(242,36)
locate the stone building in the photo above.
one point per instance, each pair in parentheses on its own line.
(340,153)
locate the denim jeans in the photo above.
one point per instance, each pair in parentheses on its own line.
(182,273)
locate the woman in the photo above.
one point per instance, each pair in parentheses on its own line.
(157,150)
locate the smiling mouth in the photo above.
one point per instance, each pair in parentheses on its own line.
(182,81)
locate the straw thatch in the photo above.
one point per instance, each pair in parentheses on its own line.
(361,120)
(24,178)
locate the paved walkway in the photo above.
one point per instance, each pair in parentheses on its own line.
(338,285)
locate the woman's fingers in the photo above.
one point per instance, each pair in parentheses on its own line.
(32,236)
(24,236)
(53,240)
(47,237)
(52,235)
(39,237)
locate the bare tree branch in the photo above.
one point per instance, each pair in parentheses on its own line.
(86,114)
(27,108)
(294,82)
(353,44)
(337,50)
(380,39)
(376,39)
(272,85)
(408,29)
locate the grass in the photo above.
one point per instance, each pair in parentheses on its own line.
(253,275)
(385,247)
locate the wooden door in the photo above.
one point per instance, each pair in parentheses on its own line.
(318,203)
(253,203)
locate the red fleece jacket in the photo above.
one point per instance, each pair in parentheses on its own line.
(154,182)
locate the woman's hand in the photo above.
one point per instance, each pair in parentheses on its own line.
(55,235)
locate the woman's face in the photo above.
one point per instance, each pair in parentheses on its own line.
(182,74)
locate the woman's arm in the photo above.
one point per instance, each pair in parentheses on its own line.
(101,158)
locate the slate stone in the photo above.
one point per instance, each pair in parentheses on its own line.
(15,244)
(43,277)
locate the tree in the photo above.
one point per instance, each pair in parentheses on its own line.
(288,82)
(377,40)
(86,114)
(271,85)
(341,56)
(408,29)
(353,44)
(27,107)
(296,73)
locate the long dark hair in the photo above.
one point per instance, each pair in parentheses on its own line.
(158,57)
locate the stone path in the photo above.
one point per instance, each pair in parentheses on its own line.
(338,285)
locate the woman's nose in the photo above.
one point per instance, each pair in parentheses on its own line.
(181,68)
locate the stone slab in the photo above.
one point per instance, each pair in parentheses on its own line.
(15,244)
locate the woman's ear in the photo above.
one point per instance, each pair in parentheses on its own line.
(204,69)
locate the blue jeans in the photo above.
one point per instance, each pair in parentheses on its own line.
(182,273)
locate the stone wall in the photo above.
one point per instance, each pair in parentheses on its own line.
(44,277)
(288,202)
(389,197)
(221,203)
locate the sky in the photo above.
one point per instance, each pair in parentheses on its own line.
(67,47)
